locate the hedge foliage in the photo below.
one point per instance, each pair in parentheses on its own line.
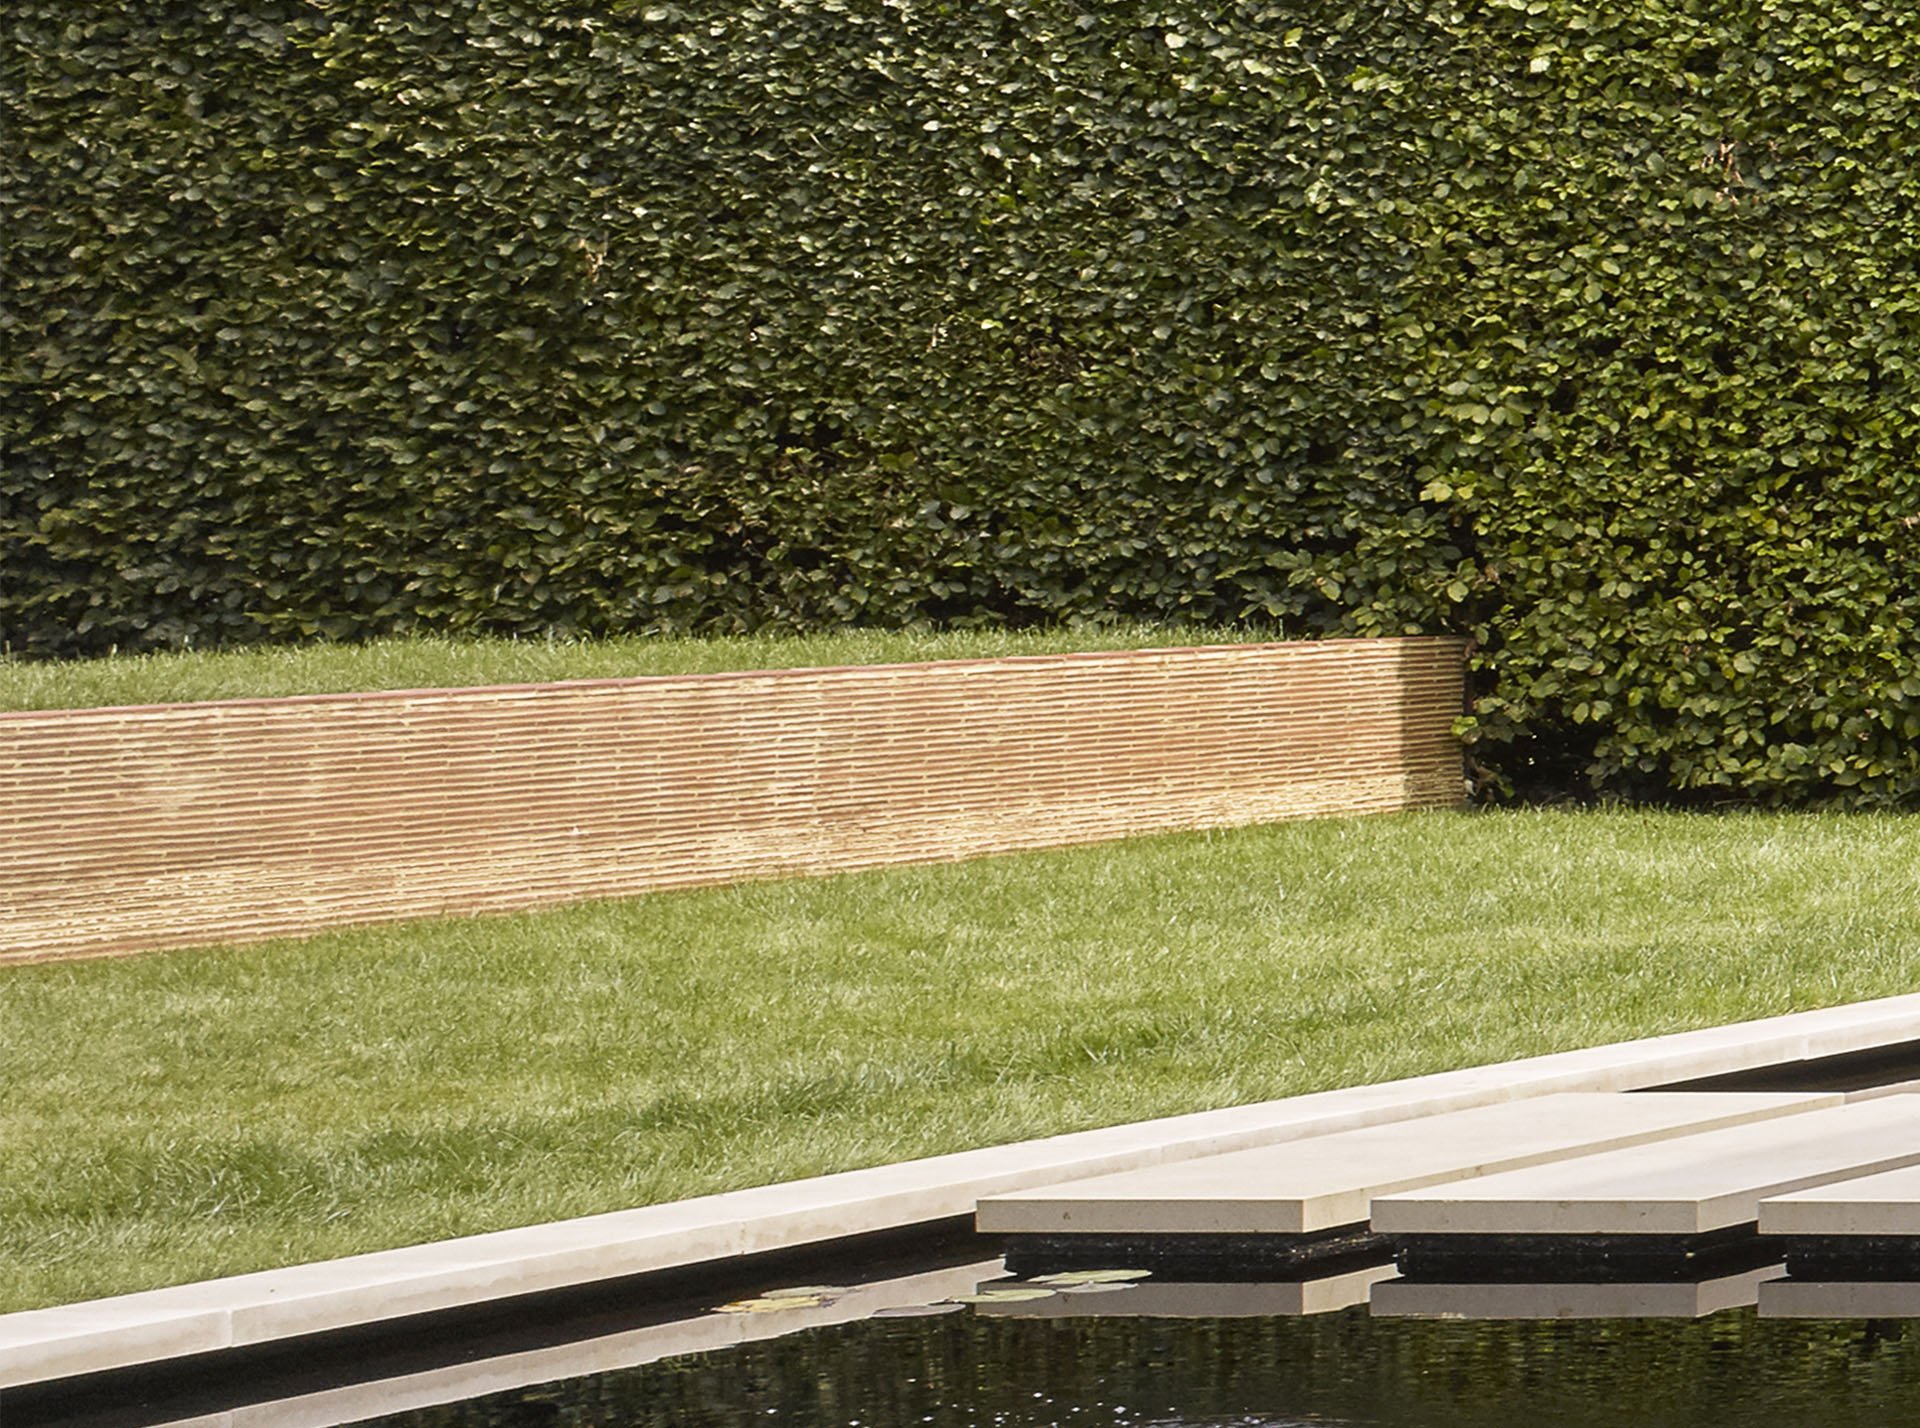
(1589,330)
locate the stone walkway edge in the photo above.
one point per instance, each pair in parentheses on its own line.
(249,1309)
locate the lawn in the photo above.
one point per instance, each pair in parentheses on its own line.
(434,662)
(186,1114)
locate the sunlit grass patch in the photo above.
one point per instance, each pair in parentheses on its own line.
(186,1114)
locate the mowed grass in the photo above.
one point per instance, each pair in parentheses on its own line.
(433,662)
(180,1115)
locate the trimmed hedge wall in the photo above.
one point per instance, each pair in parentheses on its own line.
(1587,330)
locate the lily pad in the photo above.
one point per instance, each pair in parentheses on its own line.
(1094,1288)
(829,1291)
(773,1304)
(1094,1276)
(1013,1295)
(917,1311)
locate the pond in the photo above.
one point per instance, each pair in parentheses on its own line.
(891,1349)
(971,1369)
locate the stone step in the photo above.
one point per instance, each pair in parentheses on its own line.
(1884,1203)
(1309,1186)
(1692,1186)
(1866,1227)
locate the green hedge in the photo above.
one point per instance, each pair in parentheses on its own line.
(1589,333)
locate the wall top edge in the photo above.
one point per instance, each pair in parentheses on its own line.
(455,693)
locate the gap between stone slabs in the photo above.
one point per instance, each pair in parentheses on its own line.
(98,1335)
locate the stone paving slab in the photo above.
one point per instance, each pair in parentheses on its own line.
(1326,1181)
(55,1343)
(1689,1186)
(1886,1203)
(703,1333)
(1874,1093)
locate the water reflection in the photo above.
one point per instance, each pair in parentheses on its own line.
(898,1353)
(1172,1299)
(1817,1299)
(1666,1299)
(697,1335)
(978,1370)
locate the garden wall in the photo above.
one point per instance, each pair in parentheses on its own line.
(138,828)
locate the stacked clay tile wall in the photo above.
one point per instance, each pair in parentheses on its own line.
(171,825)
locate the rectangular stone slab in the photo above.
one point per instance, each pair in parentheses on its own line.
(57,1343)
(1689,1186)
(1397,1298)
(1330,1180)
(1886,1203)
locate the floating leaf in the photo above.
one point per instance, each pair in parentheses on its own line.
(918,1311)
(1014,1295)
(1093,1276)
(773,1304)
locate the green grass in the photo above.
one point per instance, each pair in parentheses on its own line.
(432,662)
(187,1114)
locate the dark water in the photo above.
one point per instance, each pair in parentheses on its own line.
(965,1369)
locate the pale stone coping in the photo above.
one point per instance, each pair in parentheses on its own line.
(1886,1203)
(1711,1181)
(286,1303)
(1279,1190)
(1874,1093)
(1407,1299)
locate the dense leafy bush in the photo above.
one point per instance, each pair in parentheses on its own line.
(1585,329)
